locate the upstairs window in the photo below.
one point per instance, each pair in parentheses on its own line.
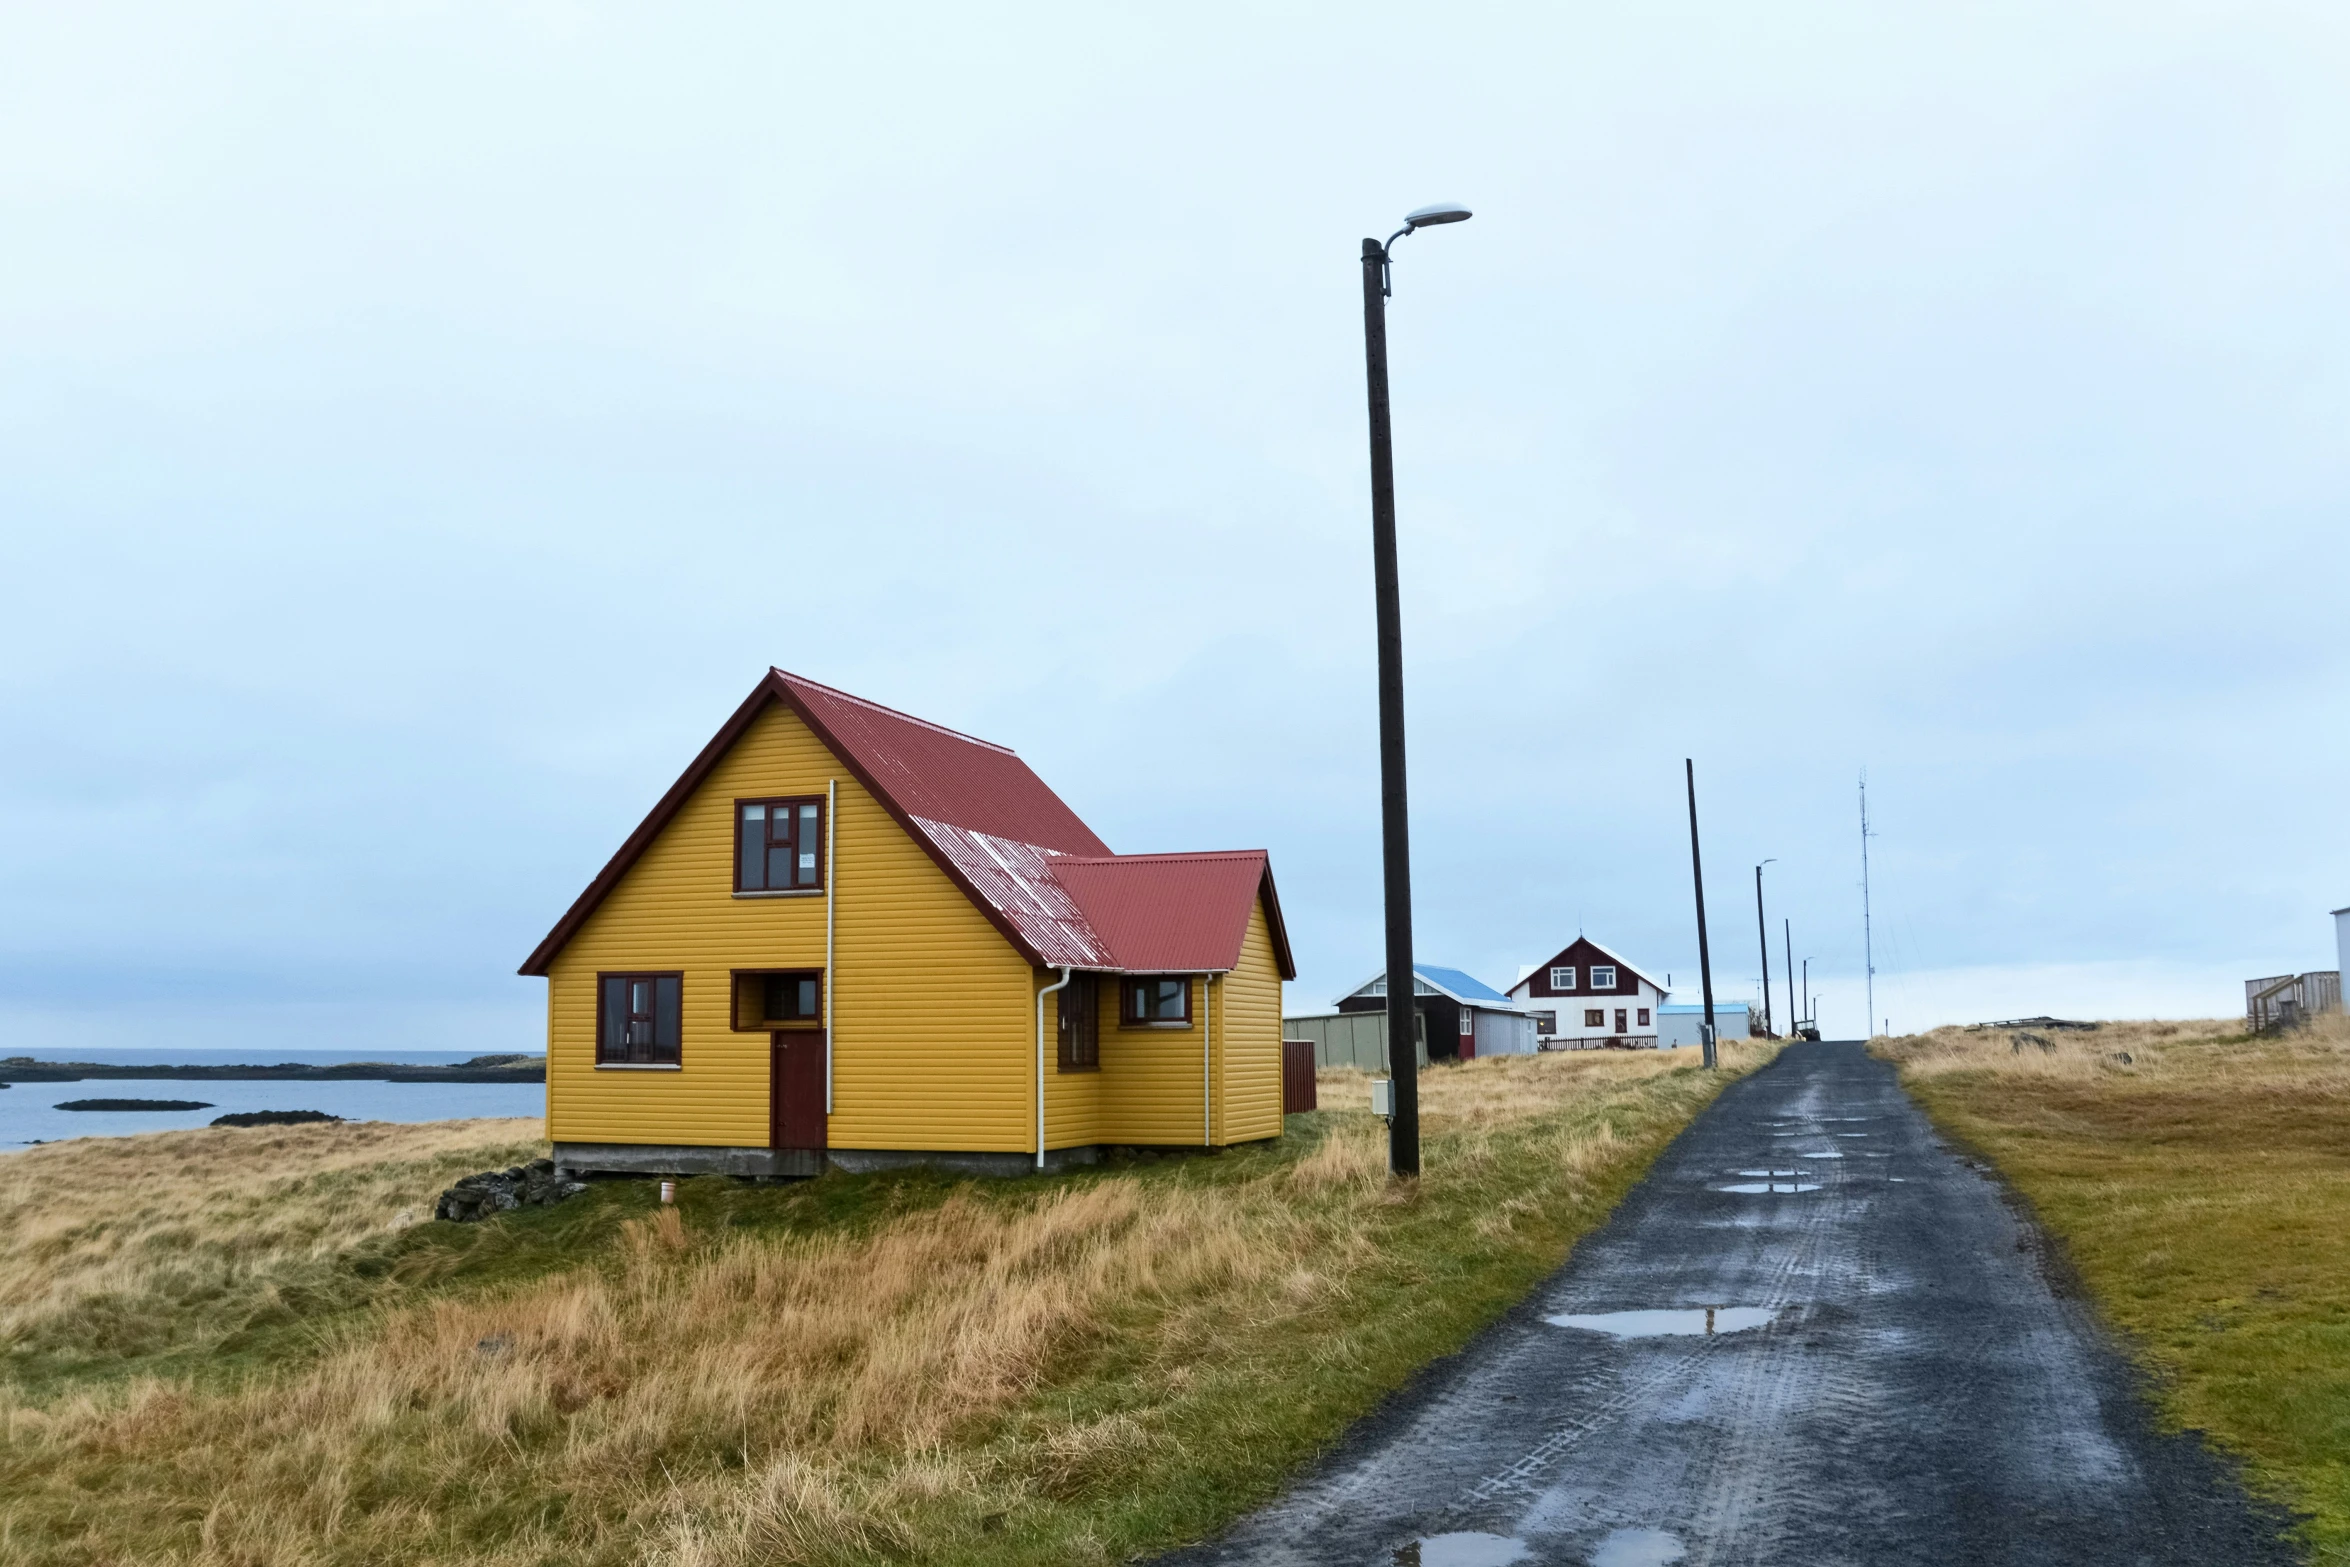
(1603,976)
(638,1019)
(779,845)
(1562,978)
(1160,998)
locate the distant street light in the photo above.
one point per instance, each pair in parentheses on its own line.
(1403,1126)
(1762,931)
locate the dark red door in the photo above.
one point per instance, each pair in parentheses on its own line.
(796,1089)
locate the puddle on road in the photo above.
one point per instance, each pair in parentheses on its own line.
(1666,1324)
(1639,1548)
(1468,1549)
(1781,1175)
(1762,1188)
(1852,1134)
(1824,1153)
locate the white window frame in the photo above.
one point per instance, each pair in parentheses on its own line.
(1468,1022)
(1567,983)
(1597,969)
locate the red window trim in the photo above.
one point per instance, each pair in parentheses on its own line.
(734,842)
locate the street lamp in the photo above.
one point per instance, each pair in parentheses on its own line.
(1403,1126)
(1762,931)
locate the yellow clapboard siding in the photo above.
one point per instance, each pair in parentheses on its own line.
(928,1049)
(1248,1025)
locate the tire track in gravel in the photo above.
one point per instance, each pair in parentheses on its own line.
(1920,1392)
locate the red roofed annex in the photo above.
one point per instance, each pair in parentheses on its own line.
(849,936)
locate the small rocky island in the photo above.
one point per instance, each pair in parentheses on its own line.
(133,1104)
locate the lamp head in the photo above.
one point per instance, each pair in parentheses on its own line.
(1435,213)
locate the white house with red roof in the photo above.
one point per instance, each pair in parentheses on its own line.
(1587,998)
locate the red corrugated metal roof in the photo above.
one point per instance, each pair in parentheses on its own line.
(1022,884)
(1015,849)
(934,773)
(1174,913)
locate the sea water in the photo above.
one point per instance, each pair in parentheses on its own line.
(29,1113)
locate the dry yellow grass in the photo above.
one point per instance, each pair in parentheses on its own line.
(2201,1187)
(116,1244)
(1048,1371)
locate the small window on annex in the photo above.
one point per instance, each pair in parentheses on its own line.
(1159,998)
(778,845)
(638,1019)
(1562,978)
(770,998)
(1595,1017)
(1603,976)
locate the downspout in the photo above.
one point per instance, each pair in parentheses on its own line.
(831,884)
(1040,995)
(1207,1025)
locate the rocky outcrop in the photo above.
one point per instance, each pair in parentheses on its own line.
(274,1118)
(532,1185)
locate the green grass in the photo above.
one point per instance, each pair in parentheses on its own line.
(901,1367)
(2202,1193)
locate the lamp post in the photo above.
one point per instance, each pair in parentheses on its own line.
(1403,1064)
(1762,931)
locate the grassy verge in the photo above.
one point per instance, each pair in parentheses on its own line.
(854,1369)
(2200,1182)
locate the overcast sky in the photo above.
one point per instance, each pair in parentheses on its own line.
(421,424)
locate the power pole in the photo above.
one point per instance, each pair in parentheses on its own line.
(1705,962)
(1794,1018)
(1762,934)
(1867,939)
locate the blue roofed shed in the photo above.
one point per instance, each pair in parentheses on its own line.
(1461,1016)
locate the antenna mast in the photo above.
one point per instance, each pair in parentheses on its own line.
(1867,937)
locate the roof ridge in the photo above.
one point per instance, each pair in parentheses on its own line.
(1171,854)
(865,702)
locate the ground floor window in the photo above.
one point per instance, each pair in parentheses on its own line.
(1081,1024)
(1644,1017)
(1595,1017)
(638,1019)
(1546,1022)
(1157,998)
(1621,1022)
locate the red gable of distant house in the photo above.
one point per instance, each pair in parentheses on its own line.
(1013,846)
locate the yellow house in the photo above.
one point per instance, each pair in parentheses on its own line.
(846,935)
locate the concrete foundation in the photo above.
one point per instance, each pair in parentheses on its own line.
(684,1159)
(864,1161)
(767,1163)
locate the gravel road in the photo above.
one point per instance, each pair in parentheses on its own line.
(1894,1374)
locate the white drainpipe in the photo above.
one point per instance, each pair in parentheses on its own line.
(1040,995)
(1207,1024)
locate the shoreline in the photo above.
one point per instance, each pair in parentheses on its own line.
(480,1069)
